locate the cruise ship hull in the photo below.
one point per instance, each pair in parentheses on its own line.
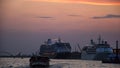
(63,55)
(86,56)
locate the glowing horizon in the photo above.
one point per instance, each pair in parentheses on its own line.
(90,2)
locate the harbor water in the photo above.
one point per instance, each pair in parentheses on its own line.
(55,63)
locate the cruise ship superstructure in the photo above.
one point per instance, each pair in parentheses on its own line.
(55,49)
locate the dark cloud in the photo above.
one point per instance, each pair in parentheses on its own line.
(74,15)
(43,17)
(107,16)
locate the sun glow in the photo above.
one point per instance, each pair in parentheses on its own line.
(81,1)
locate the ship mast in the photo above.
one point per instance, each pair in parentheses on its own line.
(59,40)
(99,39)
(79,48)
(117,50)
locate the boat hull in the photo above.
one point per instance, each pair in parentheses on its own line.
(63,55)
(38,61)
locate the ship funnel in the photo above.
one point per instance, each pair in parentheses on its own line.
(49,41)
(91,41)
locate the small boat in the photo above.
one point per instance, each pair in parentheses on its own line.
(39,61)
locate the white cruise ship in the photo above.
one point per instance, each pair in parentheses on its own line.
(96,51)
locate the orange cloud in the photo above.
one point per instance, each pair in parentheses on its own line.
(92,2)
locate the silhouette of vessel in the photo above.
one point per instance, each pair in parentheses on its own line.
(115,57)
(39,61)
(55,49)
(97,51)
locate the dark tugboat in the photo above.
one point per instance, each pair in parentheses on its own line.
(39,61)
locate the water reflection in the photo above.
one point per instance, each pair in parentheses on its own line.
(24,63)
(39,67)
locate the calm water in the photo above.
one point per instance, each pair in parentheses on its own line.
(24,63)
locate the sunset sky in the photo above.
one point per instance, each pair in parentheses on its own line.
(26,24)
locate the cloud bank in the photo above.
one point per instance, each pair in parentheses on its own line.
(107,16)
(72,15)
(47,17)
(93,2)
